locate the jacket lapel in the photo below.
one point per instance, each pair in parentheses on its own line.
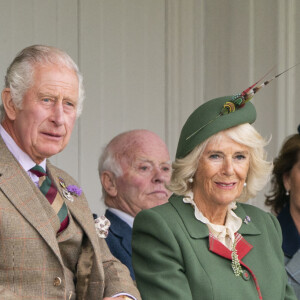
(198,230)
(242,247)
(80,211)
(120,229)
(248,227)
(195,228)
(25,196)
(292,267)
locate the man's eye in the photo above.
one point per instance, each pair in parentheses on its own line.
(46,100)
(166,169)
(69,103)
(144,168)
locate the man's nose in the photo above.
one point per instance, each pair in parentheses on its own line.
(58,115)
(159,176)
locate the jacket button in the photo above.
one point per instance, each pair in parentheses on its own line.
(246,275)
(57,281)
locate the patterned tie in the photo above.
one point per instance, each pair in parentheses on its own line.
(49,190)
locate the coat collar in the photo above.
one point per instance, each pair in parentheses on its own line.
(199,230)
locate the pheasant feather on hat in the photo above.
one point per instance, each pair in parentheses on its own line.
(233,110)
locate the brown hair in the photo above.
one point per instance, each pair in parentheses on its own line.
(287,158)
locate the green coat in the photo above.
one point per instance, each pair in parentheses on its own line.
(172,260)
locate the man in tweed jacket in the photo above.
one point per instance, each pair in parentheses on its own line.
(42,98)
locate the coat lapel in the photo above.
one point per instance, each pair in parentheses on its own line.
(292,267)
(25,196)
(242,247)
(198,230)
(80,211)
(195,228)
(120,229)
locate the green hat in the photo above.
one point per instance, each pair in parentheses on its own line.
(219,114)
(209,119)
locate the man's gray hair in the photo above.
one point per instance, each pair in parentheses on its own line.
(19,75)
(108,162)
(115,151)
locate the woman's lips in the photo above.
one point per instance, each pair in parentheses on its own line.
(226,185)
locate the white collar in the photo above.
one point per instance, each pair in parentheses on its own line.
(123,216)
(23,158)
(223,233)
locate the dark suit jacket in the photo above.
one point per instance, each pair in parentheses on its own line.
(175,258)
(119,240)
(30,258)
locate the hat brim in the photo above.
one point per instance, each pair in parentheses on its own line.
(207,118)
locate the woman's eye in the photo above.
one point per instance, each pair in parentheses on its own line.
(240,157)
(214,156)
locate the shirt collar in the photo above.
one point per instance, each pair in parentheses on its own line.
(123,216)
(291,237)
(223,233)
(24,159)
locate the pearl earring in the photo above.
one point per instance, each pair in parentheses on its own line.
(287,193)
(245,184)
(190,180)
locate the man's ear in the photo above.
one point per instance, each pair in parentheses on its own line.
(109,183)
(9,106)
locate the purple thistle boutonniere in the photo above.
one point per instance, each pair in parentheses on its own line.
(74,190)
(69,190)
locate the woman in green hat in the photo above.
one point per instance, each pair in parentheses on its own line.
(205,243)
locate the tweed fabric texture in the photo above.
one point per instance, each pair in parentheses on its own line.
(30,254)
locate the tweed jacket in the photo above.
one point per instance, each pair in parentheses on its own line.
(119,240)
(31,264)
(174,257)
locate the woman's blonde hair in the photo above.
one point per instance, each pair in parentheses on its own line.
(244,134)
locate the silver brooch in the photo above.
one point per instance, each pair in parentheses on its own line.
(65,191)
(247,220)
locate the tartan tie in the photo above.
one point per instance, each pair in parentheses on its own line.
(49,190)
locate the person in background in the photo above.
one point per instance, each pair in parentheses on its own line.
(284,199)
(133,168)
(49,243)
(204,243)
